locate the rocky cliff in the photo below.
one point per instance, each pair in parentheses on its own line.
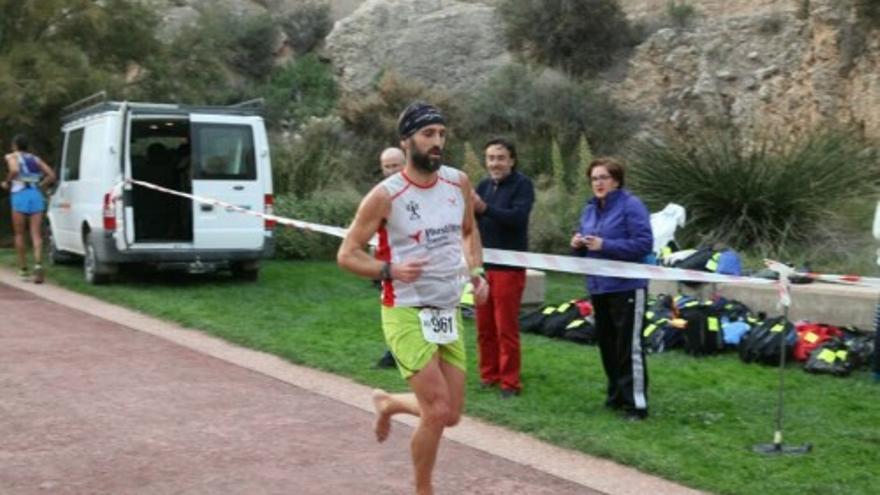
(781,64)
(444,43)
(759,64)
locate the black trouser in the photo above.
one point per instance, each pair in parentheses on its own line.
(619,321)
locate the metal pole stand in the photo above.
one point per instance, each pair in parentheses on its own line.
(777,447)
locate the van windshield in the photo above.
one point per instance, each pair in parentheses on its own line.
(223,152)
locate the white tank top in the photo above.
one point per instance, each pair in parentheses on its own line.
(424,223)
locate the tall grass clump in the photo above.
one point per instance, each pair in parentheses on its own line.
(760,196)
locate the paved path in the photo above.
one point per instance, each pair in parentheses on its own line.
(98,399)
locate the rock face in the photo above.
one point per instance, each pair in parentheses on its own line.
(792,65)
(443,43)
(770,65)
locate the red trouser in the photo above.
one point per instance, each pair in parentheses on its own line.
(498,328)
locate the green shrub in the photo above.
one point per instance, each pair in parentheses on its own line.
(868,12)
(373,117)
(321,156)
(305,88)
(54,52)
(247,44)
(253,45)
(577,36)
(554,217)
(332,207)
(533,107)
(215,61)
(762,196)
(306,24)
(680,13)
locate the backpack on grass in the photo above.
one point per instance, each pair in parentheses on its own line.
(762,343)
(831,358)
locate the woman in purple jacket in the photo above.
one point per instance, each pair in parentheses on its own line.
(615,225)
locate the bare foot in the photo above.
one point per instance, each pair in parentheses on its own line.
(382,426)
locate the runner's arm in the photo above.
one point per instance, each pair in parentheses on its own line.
(472,244)
(11,170)
(370,214)
(47,170)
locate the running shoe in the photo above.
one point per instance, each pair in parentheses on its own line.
(38,274)
(23,273)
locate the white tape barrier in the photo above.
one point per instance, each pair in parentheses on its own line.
(844,279)
(570,264)
(314,227)
(609,268)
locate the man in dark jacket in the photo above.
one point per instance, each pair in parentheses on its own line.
(502,203)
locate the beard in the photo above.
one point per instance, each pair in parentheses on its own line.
(424,161)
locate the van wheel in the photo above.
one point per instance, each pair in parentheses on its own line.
(57,256)
(246,270)
(96,271)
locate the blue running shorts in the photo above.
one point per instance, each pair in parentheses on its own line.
(28,201)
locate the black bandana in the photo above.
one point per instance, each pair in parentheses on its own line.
(417,115)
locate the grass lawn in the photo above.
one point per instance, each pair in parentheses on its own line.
(706,413)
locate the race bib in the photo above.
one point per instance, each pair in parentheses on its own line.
(438,325)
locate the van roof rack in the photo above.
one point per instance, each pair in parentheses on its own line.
(252,103)
(98,102)
(89,101)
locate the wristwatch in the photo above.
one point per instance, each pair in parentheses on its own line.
(385,272)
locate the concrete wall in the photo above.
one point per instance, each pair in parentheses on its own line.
(819,302)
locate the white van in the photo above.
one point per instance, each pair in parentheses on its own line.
(214,152)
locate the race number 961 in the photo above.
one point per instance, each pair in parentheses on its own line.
(439,325)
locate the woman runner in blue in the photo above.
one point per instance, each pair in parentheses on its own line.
(27,175)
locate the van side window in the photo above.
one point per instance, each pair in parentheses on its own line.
(72,152)
(223,152)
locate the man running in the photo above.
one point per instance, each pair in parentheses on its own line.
(27,175)
(425,222)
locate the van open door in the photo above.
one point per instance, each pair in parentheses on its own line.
(225,167)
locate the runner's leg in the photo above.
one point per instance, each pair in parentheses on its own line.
(388,405)
(19,220)
(455,380)
(36,225)
(432,392)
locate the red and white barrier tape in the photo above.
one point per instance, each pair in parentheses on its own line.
(609,268)
(314,227)
(569,264)
(843,279)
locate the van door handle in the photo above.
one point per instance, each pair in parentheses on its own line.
(238,188)
(207,207)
